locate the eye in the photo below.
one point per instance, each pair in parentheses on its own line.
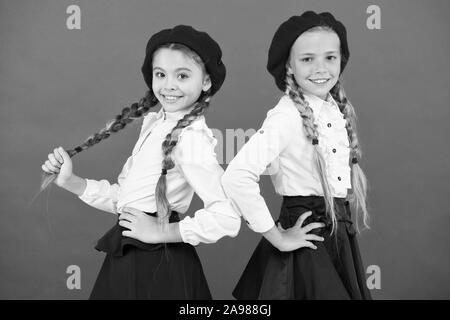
(159,74)
(331,57)
(308,59)
(183,76)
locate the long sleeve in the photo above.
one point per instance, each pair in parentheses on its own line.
(197,161)
(102,194)
(240,180)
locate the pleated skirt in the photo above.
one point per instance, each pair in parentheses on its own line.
(333,271)
(133,270)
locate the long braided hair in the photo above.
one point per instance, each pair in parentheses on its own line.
(294,92)
(357,197)
(128,114)
(162,204)
(136,111)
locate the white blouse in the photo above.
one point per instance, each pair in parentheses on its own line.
(196,169)
(282,149)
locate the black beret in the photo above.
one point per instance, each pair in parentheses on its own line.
(290,30)
(200,42)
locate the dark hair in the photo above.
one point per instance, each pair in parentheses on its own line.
(136,111)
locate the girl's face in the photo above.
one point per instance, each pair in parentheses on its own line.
(178,80)
(315,61)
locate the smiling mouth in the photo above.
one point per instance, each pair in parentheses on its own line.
(171,98)
(319,81)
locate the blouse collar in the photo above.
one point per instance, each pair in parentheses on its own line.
(173,116)
(317,103)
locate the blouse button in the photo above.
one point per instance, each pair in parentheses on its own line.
(329,125)
(339,178)
(334,150)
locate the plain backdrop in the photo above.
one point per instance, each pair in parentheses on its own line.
(57,86)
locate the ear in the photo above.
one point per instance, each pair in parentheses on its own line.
(206,83)
(289,68)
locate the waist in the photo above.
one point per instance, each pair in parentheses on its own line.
(113,242)
(174,216)
(294,206)
(179,198)
(313,201)
(289,186)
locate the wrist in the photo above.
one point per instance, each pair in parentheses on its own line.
(275,237)
(65,183)
(171,233)
(74,184)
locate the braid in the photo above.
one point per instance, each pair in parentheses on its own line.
(359,180)
(296,95)
(162,204)
(135,111)
(128,114)
(349,114)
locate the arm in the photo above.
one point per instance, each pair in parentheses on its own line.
(102,194)
(241,178)
(195,158)
(75,184)
(99,194)
(197,161)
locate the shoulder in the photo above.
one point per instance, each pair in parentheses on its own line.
(198,129)
(196,144)
(283,115)
(284,106)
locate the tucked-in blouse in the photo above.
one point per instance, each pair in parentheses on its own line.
(196,169)
(280,148)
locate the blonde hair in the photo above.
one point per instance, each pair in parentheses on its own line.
(359,181)
(295,93)
(358,198)
(137,110)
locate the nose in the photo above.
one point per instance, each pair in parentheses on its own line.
(319,66)
(170,83)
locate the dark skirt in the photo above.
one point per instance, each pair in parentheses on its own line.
(138,271)
(333,271)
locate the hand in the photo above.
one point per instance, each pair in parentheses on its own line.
(142,226)
(297,236)
(59,163)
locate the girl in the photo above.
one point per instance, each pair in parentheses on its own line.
(308,140)
(173,157)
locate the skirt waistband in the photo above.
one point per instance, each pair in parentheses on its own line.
(113,242)
(294,206)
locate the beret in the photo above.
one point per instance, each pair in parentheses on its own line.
(290,30)
(200,42)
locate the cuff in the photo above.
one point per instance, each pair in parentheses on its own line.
(261,226)
(187,235)
(91,189)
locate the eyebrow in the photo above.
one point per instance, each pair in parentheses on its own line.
(176,70)
(313,54)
